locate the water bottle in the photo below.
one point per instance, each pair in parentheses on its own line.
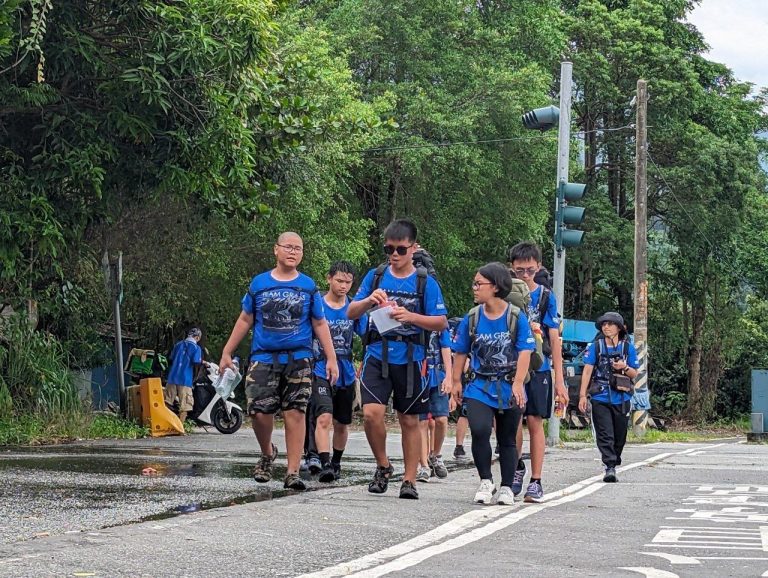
(559,407)
(228,380)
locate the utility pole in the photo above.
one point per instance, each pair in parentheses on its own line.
(641,401)
(563,158)
(113,272)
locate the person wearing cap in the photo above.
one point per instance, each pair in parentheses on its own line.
(185,355)
(610,353)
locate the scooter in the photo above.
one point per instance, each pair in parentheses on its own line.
(210,408)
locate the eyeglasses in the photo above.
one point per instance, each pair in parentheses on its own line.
(292,248)
(401,249)
(526,271)
(478,284)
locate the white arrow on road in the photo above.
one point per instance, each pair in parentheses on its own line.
(651,572)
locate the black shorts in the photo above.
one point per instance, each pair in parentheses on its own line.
(376,389)
(539,393)
(334,400)
(269,389)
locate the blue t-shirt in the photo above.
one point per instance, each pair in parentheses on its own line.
(551,318)
(435,369)
(185,355)
(281,316)
(601,375)
(403,292)
(342,331)
(493,354)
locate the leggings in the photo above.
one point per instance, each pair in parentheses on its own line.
(480,424)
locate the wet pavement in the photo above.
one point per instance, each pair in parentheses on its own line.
(91,485)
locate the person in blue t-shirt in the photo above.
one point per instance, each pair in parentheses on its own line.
(284,308)
(525,262)
(393,361)
(500,341)
(439,371)
(186,354)
(611,353)
(334,402)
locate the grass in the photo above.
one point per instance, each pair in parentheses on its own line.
(38,430)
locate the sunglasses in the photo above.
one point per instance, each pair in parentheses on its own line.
(400,249)
(526,271)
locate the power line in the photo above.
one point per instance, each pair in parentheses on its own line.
(704,237)
(483,142)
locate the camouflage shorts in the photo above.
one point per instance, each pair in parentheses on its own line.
(271,390)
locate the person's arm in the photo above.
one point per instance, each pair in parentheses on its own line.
(426,322)
(518,383)
(242,327)
(366,298)
(323,333)
(445,353)
(456,373)
(586,376)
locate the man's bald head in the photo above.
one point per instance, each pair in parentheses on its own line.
(289,237)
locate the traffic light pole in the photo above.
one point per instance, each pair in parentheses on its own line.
(563,157)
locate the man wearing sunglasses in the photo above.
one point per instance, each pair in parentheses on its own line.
(284,309)
(525,261)
(393,361)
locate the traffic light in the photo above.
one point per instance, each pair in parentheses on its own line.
(567,215)
(542,118)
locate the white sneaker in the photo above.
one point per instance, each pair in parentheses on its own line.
(484,494)
(505,496)
(422,474)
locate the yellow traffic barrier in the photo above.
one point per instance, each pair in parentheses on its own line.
(161,420)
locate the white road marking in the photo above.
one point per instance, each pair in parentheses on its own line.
(650,572)
(432,543)
(674,558)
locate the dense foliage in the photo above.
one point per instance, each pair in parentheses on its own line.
(188,134)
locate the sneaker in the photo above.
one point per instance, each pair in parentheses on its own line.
(336,470)
(262,473)
(314,465)
(380,481)
(534,493)
(610,476)
(459,454)
(505,496)
(294,482)
(327,474)
(484,494)
(304,466)
(422,475)
(517,481)
(408,491)
(438,466)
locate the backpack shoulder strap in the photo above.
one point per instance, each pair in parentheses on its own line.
(421,284)
(513,312)
(625,349)
(473,317)
(377,275)
(543,302)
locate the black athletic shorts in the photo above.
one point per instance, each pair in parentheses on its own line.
(539,393)
(334,400)
(376,389)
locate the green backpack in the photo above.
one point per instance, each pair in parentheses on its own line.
(520,297)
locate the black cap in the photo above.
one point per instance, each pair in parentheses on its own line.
(611,317)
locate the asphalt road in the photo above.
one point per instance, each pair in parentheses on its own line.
(679,510)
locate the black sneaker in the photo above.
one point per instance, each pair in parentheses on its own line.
(610,476)
(408,491)
(336,470)
(380,481)
(294,482)
(459,453)
(262,473)
(327,474)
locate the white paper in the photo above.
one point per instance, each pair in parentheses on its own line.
(381,317)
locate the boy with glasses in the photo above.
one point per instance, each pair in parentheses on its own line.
(393,360)
(284,309)
(525,261)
